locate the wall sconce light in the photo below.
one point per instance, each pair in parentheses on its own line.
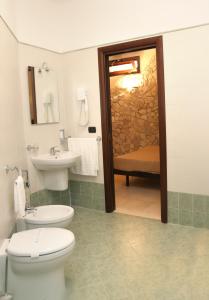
(130,82)
(124,66)
(44,67)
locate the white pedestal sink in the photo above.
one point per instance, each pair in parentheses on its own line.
(55,168)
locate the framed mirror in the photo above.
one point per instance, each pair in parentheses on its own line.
(43,95)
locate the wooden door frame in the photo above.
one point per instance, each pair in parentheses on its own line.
(103,58)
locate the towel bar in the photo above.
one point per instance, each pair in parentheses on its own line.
(98,139)
(8,169)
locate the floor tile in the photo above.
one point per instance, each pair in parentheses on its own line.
(121,257)
(141,198)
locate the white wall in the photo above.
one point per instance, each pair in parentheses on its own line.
(74,24)
(186,62)
(81,70)
(7,11)
(11,127)
(186,57)
(46,135)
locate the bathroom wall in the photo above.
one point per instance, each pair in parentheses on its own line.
(135,112)
(45,135)
(187,93)
(186,63)
(12,150)
(81,70)
(70,76)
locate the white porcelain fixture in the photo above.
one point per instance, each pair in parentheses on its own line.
(58,216)
(60,160)
(36,260)
(55,168)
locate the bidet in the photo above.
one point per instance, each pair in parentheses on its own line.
(59,216)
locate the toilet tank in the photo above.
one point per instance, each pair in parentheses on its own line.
(3,266)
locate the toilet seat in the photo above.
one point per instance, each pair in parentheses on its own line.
(40,242)
(49,214)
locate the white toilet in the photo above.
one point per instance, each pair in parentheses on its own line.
(36,259)
(58,216)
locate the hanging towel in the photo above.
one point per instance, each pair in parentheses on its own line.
(88,149)
(19,197)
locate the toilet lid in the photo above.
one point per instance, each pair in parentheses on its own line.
(40,241)
(47,214)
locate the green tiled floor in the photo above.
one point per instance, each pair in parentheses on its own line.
(120,257)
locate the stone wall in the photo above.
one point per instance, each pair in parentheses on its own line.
(135,113)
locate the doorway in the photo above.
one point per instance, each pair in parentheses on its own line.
(104,54)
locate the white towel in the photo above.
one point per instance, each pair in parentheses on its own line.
(88,149)
(19,197)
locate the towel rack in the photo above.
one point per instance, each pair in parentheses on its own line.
(8,169)
(98,139)
(19,171)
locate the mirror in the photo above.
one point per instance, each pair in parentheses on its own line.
(43,95)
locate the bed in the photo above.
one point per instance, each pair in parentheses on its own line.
(145,162)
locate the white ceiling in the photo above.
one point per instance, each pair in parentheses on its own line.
(65,25)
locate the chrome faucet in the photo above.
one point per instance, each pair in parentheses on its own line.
(53,150)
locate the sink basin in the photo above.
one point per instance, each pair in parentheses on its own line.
(47,162)
(55,169)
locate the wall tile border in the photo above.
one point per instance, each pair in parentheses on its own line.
(188,209)
(45,197)
(183,208)
(79,193)
(87,194)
